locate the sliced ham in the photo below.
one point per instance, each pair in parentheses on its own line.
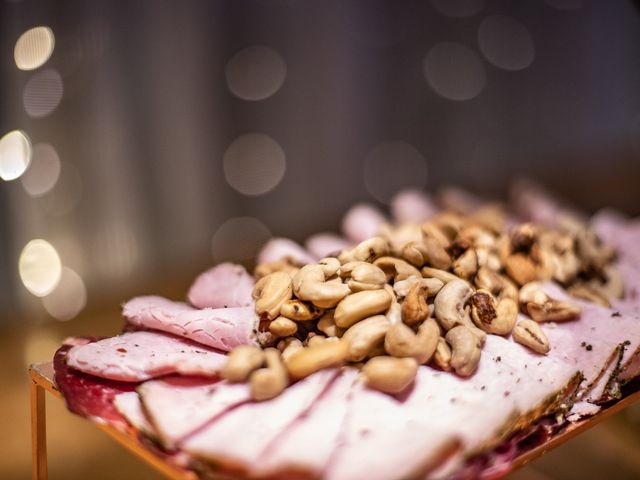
(130,407)
(412,206)
(284,249)
(139,356)
(382,439)
(178,406)
(362,222)
(308,445)
(225,285)
(238,438)
(221,328)
(322,245)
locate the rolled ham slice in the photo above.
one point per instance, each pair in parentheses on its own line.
(225,285)
(237,439)
(322,245)
(362,222)
(139,356)
(178,406)
(412,206)
(221,328)
(284,249)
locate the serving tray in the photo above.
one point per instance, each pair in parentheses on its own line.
(42,381)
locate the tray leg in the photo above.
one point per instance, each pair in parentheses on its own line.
(38,433)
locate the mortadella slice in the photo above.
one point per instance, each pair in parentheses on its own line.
(322,245)
(225,285)
(129,405)
(284,249)
(178,406)
(412,206)
(221,328)
(139,356)
(237,439)
(362,222)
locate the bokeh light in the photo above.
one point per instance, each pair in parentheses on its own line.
(255,73)
(239,239)
(40,267)
(454,71)
(43,172)
(42,93)
(254,164)
(393,166)
(33,48)
(69,297)
(15,154)
(505,42)
(458,8)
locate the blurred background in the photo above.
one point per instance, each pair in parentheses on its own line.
(142,141)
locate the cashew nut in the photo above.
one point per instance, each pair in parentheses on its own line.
(299,310)
(528,333)
(330,266)
(414,307)
(241,361)
(396,269)
(465,352)
(431,285)
(309,284)
(543,308)
(442,355)
(289,346)
(492,316)
(363,276)
(401,341)
(521,268)
(614,285)
(498,285)
(328,326)
(270,292)
(366,251)
(283,327)
(442,275)
(394,312)
(357,306)
(389,374)
(267,383)
(466,265)
(589,293)
(450,302)
(306,361)
(365,335)
(415,253)
(264,269)
(430,230)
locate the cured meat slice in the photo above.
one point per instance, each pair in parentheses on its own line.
(284,249)
(130,407)
(221,328)
(237,439)
(383,439)
(362,222)
(225,285)
(308,445)
(139,356)
(178,406)
(322,245)
(85,395)
(412,206)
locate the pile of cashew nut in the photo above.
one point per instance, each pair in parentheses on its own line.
(418,294)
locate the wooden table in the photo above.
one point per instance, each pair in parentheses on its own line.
(42,381)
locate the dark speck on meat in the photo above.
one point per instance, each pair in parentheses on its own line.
(507,393)
(583,344)
(452,400)
(589,348)
(483,387)
(615,314)
(122,350)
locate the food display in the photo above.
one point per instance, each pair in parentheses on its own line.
(432,344)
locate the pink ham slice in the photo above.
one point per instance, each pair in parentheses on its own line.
(308,445)
(322,245)
(221,328)
(225,285)
(412,206)
(382,439)
(178,406)
(284,249)
(238,438)
(139,356)
(362,222)
(130,407)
